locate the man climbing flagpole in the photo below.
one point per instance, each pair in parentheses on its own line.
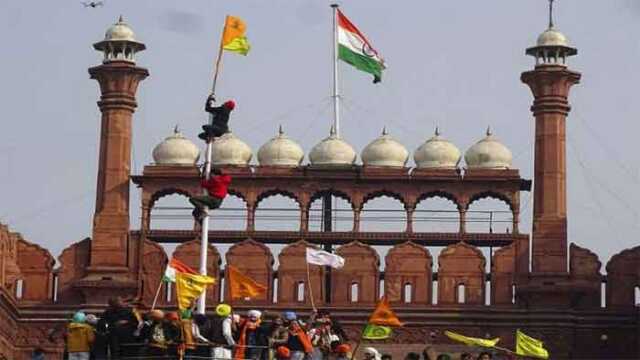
(233,39)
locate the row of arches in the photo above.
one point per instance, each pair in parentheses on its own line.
(281,213)
(408,276)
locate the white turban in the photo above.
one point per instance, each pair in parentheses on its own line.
(254,314)
(373,352)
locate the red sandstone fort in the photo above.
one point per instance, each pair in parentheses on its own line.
(536,282)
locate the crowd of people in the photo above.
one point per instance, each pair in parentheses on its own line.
(124,331)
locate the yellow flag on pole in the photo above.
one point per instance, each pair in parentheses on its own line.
(241,286)
(233,36)
(471,341)
(190,287)
(528,346)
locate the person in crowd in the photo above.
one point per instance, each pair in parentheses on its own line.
(282,353)
(100,348)
(278,336)
(485,356)
(371,353)
(175,342)
(429,353)
(385,357)
(220,332)
(252,337)
(343,352)
(121,324)
(80,337)
(299,343)
(443,357)
(37,354)
(199,326)
(412,356)
(216,187)
(155,334)
(321,336)
(466,356)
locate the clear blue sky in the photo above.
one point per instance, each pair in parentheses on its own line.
(452,63)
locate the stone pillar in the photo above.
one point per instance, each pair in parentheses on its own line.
(356,219)
(550,85)
(251,217)
(410,210)
(304,218)
(463,220)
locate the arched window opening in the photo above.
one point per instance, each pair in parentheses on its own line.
(231,215)
(355,292)
(56,281)
(222,289)
(172,212)
(436,215)
(278,213)
(300,292)
(513,293)
(489,215)
(603,295)
(19,288)
(341,215)
(487,293)
(381,289)
(408,293)
(637,296)
(382,214)
(461,293)
(168,290)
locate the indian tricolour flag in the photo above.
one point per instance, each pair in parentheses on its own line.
(355,49)
(176,266)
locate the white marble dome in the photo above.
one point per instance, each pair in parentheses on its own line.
(552,37)
(332,151)
(437,152)
(176,150)
(385,151)
(228,149)
(120,31)
(280,151)
(488,153)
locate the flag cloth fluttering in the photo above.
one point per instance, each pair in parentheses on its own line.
(176,266)
(324,258)
(383,315)
(189,287)
(356,50)
(233,36)
(241,286)
(471,341)
(376,332)
(528,346)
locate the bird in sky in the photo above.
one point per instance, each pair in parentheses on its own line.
(92,4)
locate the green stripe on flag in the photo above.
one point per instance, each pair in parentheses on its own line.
(376,332)
(361,62)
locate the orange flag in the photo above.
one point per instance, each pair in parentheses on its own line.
(241,286)
(383,315)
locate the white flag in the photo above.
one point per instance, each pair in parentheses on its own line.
(320,257)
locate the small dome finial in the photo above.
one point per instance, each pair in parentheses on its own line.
(176,129)
(280,131)
(332,132)
(120,19)
(384,130)
(437,131)
(551,14)
(489,132)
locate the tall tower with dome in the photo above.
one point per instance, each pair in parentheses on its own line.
(482,283)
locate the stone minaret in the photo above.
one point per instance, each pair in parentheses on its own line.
(118,77)
(550,82)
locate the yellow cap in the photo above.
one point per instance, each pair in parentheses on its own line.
(223,310)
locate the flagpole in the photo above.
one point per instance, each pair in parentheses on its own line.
(155,298)
(309,286)
(204,238)
(336,94)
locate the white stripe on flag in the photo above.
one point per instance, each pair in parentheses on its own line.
(320,257)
